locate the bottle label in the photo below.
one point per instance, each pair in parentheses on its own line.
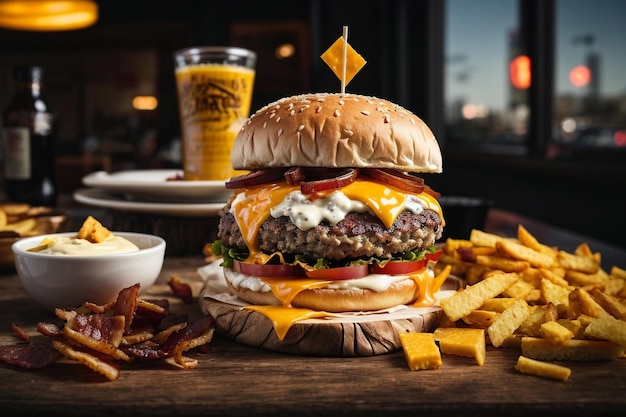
(16,153)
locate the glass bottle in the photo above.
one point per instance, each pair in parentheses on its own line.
(28,146)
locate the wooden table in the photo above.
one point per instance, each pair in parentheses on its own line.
(236,380)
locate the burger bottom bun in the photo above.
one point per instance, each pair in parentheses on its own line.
(355,336)
(336,300)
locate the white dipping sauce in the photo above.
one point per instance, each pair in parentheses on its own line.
(74,246)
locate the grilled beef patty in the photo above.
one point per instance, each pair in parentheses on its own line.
(357,235)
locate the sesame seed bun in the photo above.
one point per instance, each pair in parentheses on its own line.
(336,131)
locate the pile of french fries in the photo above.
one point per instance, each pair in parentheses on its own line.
(552,304)
(19,218)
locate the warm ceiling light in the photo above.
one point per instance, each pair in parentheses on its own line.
(145,103)
(47,15)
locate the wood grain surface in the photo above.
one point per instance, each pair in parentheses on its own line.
(234,379)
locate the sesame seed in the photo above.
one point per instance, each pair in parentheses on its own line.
(290,106)
(319,109)
(292,112)
(264,124)
(278,119)
(272,114)
(300,128)
(365,112)
(387,119)
(280,132)
(341,102)
(336,113)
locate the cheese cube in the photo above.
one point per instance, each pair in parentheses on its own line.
(460,341)
(420,350)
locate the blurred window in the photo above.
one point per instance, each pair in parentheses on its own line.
(488,74)
(590,80)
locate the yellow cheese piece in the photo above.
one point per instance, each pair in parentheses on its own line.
(420,350)
(460,341)
(333,57)
(283,318)
(548,370)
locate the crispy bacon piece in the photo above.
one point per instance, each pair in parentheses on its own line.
(109,369)
(181,289)
(32,355)
(20,332)
(103,328)
(101,336)
(49,329)
(126,304)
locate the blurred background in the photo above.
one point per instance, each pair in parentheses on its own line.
(526,97)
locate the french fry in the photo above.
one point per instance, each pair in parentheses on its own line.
(609,303)
(501,263)
(480,318)
(538,316)
(562,306)
(553,293)
(555,333)
(572,350)
(524,253)
(527,239)
(3,218)
(582,303)
(21,227)
(464,302)
(607,328)
(498,304)
(539,368)
(507,322)
(577,262)
(480,238)
(553,277)
(617,272)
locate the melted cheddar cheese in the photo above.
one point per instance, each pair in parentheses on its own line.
(252,206)
(286,289)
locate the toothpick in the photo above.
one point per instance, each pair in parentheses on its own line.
(345,58)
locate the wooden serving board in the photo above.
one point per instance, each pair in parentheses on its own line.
(357,336)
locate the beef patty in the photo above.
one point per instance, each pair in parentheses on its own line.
(357,235)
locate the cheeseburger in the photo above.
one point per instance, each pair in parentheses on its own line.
(331,216)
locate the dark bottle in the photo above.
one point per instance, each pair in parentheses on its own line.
(28,146)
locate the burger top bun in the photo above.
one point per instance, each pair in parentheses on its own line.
(336,131)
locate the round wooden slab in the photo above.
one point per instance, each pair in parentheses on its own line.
(367,335)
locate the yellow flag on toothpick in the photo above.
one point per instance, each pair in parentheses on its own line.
(343,60)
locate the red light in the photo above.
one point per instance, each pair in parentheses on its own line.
(519,72)
(619,138)
(580,76)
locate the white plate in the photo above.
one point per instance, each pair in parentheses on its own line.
(152,185)
(101,198)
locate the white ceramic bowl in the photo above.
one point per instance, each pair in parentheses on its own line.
(64,281)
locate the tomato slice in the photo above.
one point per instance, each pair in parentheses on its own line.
(267,270)
(341,273)
(434,256)
(405,267)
